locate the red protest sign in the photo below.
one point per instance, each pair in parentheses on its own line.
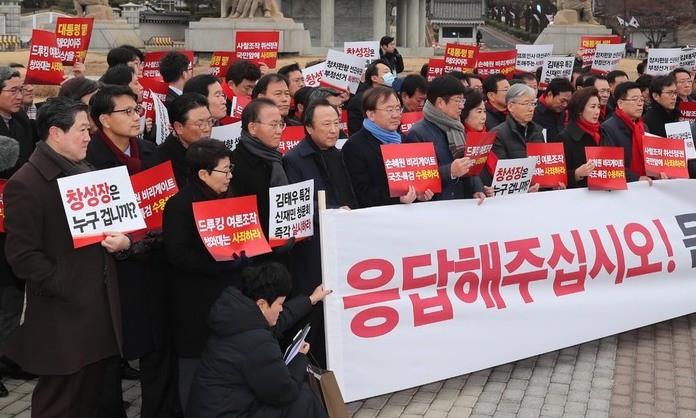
(493,62)
(460,58)
(153,187)
(238,104)
(45,63)
(478,146)
(609,172)
(588,46)
(257,47)
(551,165)
(292,135)
(344,121)
(665,155)
(152,86)
(152,60)
(220,61)
(411,165)
(73,35)
(2,205)
(408,119)
(436,68)
(687,111)
(228,226)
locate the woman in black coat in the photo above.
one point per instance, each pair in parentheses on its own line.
(582,131)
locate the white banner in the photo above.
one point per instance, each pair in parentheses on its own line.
(229,134)
(687,59)
(555,67)
(312,75)
(100,201)
(662,61)
(513,175)
(161,119)
(291,211)
(363,49)
(470,287)
(342,71)
(531,57)
(607,57)
(682,130)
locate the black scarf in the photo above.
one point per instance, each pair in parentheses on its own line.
(68,167)
(272,156)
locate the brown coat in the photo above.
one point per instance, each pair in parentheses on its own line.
(73,315)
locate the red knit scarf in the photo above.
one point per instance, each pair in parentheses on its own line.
(591,129)
(132,162)
(638,129)
(493,109)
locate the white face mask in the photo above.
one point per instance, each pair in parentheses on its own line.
(388,79)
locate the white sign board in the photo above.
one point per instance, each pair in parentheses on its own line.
(364,49)
(555,67)
(312,75)
(513,175)
(291,211)
(229,134)
(682,130)
(531,57)
(607,57)
(662,61)
(342,71)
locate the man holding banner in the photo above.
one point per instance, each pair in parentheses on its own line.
(73,318)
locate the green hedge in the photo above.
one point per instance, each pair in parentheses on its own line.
(520,34)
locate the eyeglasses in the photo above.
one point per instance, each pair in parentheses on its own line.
(203,124)
(458,101)
(526,104)
(686,81)
(16,90)
(226,172)
(636,99)
(131,111)
(391,109)
(274,125)
(670,92)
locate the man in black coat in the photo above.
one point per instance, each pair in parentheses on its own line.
(550,111)
(663,92)
(176,69)
(389,53)
(494,88)
(375,74)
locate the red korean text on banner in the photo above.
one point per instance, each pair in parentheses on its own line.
(551,165)
(230,226)
(588,46)
(220,61)
(73,35)
(687,111)
(436,68)
(478,147)
(152,60)
(257,47)
(153,187)
(344,121)
(408,119)
(152,87)
(493,62)
(292,135)
(460,58)
(45,63)
(2,205)
(665,155)
(609,172)
(411,165)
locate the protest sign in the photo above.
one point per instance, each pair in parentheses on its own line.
(230,226)
(609,172)
(363,49)
(436,68)
(291,136)
(344,121)
(531,57)
(687,111)
(588,46)
(45,62)
(494,62)
(687,59)
(3,182)
(556,67)
(682,131)
(607,57)
(152,87)
(516,273)
(99,201)
(152,60)
(229,134)
(257,46)
(312,75)
(238,104)
(478,148)
(408,119)
(291,212)
(153,187)
(513,176)
(219,63)
(551,165)
(161,120)
(411,165)
(342,71)
(460,58)
(72,36)
(662,61)
(664,155)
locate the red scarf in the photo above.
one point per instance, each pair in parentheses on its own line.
(638,129)
(493,109)
(468,128)
(132,162)
(563,114)
(591,129)
(602,112)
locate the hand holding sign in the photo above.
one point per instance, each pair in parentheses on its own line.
(460,167)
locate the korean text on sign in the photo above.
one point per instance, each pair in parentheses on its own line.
(291,212)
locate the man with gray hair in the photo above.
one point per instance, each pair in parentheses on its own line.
(517,130)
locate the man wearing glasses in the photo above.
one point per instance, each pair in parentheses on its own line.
(663,92)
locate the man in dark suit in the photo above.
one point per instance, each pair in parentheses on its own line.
(176,69)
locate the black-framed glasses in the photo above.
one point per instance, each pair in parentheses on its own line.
(202,124)
(131,111)
(225,172)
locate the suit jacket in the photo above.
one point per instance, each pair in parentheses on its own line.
(575,140)
(550,120)
(615,133)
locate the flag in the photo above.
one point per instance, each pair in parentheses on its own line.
(633,22)
(549,18)
(621,21)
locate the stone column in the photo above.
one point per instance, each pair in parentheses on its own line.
(414,22)
(327,23)
(401,22)
(379,19)
(421,28)
(11,10)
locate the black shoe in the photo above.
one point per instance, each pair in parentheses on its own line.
(128,372)
(12,370)
(3,391)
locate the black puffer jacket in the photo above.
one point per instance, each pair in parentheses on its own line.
(242,372)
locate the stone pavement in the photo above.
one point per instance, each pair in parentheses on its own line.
(647,372)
